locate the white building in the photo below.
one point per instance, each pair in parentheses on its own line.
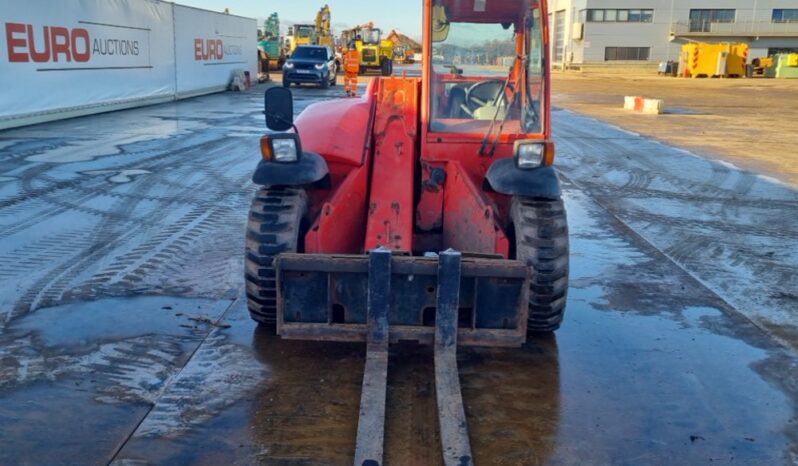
(608,32)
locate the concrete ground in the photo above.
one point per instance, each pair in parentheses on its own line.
(748,122)
(124,339)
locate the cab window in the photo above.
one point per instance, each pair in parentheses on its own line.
(483,75)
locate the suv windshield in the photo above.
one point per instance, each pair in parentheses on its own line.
(482,74)
(310,53)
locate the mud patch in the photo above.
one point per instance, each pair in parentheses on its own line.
(218,375)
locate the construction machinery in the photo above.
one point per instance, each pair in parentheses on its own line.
(428,210)
(404,54)
(271,44)
(301,34)
(324,28)
(784,65)
(375,53)
(760,65)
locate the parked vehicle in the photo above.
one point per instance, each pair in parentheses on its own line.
(311,64)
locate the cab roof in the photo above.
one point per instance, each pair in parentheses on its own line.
(486,11)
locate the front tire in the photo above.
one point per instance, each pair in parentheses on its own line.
(386,68)
(541,239)
(274,227)
(286,83)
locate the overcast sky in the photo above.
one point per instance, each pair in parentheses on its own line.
(404,15)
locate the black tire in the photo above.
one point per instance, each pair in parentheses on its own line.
(286,83)
(274,226)
(362,71)
(541,240)
(325,82)
(385,67)
(333,79)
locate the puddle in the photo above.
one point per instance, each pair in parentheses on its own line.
(117,318)
(682,111)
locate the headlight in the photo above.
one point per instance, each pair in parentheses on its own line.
(320,66)
(289,65)
(529,154)
(284,150)
(280,147)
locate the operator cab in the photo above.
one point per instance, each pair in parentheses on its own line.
(486,67)
(371,36)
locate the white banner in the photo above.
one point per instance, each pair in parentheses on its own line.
(73,57)
(209,48)
(57,56)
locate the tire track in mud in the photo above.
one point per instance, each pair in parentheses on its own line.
(718,226)
(92,188)
(614,153)
(131,370)
(167,253)
(48,290)
(35,255)
(722,225)
(115,225)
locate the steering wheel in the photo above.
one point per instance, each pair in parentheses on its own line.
(482,94)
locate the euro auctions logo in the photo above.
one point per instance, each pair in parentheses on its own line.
(214,50)
(208,49)
(54,42)
(104,45)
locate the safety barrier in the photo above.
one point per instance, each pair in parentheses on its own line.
(642,105)
(76,57)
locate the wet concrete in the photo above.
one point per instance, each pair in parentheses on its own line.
(121,342)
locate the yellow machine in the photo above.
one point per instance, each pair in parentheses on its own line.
(761,65)
(404,54)
(375,53)
(301,34)
(714,60)
(785,65)
(324,27)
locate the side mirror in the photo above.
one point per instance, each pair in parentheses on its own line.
(279,109)
(440,24)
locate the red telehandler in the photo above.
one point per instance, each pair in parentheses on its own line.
(428,210)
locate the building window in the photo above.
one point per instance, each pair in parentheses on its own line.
(619,16)
(626,53)
(777,50)
(701,20)
(785,15)
(559,36)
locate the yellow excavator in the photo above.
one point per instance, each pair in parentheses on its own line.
(324,27)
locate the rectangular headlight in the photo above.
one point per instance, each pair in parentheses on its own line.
(284,150)
(529,154)
(280,147)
